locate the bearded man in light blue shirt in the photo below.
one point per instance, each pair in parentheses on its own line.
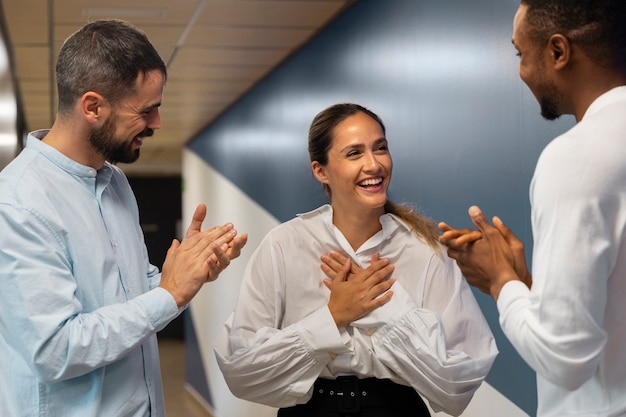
(80,303)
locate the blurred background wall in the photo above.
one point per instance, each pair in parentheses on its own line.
(11,118)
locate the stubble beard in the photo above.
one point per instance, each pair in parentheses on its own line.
(104,142)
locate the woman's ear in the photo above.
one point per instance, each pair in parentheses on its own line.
(319,171)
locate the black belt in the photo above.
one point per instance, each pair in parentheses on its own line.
(348,394)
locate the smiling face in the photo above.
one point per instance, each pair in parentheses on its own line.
(134,118)
(533,68)
(359,166)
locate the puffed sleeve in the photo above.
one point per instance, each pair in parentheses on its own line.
(444,349)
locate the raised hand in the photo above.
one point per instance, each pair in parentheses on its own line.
(517,247)
(457,237)
(199,258)
(488,261)
(354,292)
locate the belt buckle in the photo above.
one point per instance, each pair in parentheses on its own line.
(348,394)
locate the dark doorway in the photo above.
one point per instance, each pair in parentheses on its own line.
(160,200)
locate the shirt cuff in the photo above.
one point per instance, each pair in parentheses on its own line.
(511,292)
(160,307)
(320,332)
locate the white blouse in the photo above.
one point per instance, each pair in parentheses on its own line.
(281,337)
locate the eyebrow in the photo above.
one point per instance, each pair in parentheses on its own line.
(361,146)
(151,107)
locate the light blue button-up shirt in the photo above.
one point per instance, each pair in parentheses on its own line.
(79,301)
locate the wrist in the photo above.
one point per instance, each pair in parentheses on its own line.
(501,281)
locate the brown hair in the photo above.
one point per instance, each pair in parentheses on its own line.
(320,141)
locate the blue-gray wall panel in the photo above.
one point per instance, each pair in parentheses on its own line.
(463,129)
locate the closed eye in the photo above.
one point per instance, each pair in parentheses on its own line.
(381,146)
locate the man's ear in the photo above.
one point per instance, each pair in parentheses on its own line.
(319,171)
(561,50)
(92,107)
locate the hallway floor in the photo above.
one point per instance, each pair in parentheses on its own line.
(178,401)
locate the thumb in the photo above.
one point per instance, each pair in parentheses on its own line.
(196,222)
(478,218)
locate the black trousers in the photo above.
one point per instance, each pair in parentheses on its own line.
(348,396)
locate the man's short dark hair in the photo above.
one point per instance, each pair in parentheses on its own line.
(598,27)
(105,56)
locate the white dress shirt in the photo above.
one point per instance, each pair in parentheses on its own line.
(571,326)
(282,337)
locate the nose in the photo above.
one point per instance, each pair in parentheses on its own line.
(371,162)
(154,119)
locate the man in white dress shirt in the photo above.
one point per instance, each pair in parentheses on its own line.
(567,318)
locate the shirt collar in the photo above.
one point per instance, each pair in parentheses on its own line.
(389,222)
(85,173)
(610,97)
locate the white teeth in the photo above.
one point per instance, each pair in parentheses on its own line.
(371,182)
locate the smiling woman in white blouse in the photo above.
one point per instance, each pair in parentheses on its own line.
(384,320)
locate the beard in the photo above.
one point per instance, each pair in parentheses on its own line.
(550,99)
(549,109)
(104,142)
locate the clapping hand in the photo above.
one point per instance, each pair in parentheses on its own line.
(199,258)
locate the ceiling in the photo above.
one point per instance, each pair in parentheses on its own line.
(215,51)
